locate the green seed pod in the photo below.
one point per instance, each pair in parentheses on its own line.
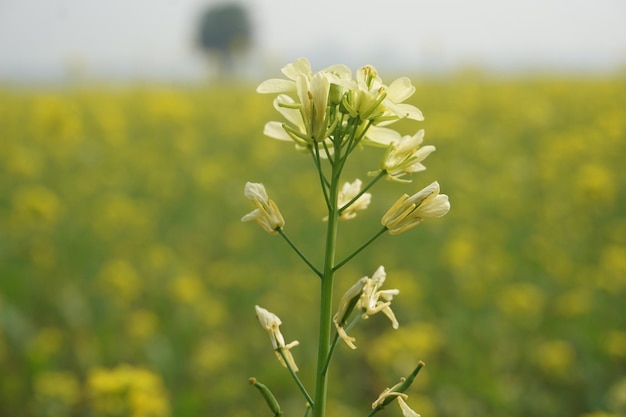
(269,397)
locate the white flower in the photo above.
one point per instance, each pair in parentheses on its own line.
(270,322)
(408,212)
(405,157)
(266,214)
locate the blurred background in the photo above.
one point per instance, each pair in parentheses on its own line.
(127,281)
(158,40)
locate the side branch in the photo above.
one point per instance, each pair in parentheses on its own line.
(299,252)
(360,248)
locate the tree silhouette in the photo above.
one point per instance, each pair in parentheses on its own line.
(224,32)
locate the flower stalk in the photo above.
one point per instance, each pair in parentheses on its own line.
(326,296)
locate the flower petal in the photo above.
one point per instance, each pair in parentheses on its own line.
(275,86)
(299,66)
(400,89)
(406,410)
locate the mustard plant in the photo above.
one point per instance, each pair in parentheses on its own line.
(328,115)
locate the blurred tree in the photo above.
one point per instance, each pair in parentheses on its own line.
(224,32)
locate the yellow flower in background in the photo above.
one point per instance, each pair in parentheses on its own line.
(121,280)
(56,393)
(187,289)
(266,214)
(408,212)
(522,301)
(615,343)
(142,324)
(35,206)
(565,201)
(47,342)
(555,357)
(127,391)
(270,322)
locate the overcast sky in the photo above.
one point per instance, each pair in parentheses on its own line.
(152,38)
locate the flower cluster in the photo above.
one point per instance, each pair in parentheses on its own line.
(318,108)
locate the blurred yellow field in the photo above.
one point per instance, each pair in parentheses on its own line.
(128,282)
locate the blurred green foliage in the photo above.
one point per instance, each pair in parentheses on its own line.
(127,281)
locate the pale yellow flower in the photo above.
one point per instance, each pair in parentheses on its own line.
(380,136)
(408,212)
(300,66)
(292,128)
(270,322)
(346,304)
(307,119)
(369,99)
(266,214)
(405,157)
(370,297)
(365,296)
(389,394)
(307,114)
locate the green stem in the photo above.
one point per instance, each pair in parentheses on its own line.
(361,136)
(360,248)
(341,145)
(295,378)
(336,339)
(325,323)
(374,411)
(323,181)
(299,252)
(333,345)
